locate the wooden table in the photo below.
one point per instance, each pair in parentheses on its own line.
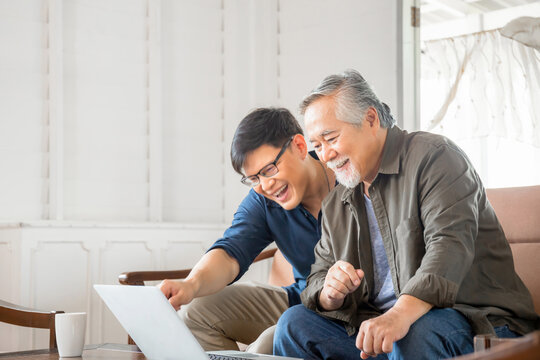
(102,351)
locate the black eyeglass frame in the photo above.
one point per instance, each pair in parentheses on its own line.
(253,180)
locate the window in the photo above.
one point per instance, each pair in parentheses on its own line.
(481,89)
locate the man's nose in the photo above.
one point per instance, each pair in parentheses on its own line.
(266,183)
(327,153)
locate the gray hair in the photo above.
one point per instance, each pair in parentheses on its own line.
(353,97)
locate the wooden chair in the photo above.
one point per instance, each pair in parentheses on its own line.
(280,274)
(522,348)
(22,316)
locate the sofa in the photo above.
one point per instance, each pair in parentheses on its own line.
(518,210)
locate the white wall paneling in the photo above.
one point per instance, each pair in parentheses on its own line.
(9,278)
(53,265)
(23,109)
(192,111)
(250,78)
(106,110)
(155,156)
(125,110)
(55,114)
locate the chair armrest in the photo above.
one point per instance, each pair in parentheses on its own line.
(23,316)
(139,277)
(27,317)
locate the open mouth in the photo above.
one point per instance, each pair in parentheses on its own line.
(342,164)
(338,164)
(280,194)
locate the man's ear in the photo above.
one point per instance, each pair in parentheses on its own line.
(300,145)
(372,118)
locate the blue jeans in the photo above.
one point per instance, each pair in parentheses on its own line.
(439,334)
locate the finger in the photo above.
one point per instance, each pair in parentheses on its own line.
(360,273)
(336,290)
(338,279)
(348,281)
(387,345)
(349,270)
(367,345)
(165,289)
(360,339)
(174,305)
(176,301)
(363,355)
(377,344)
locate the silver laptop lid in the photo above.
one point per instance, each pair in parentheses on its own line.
(151,321)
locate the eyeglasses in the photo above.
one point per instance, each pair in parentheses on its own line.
(267,171)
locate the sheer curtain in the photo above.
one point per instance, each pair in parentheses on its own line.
(483,92)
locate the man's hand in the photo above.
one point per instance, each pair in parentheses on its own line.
(342,279)
(211,274)
(178,292)
(377,335)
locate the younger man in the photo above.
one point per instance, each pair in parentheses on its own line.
(288,186)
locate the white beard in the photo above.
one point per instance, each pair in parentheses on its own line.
(350,177)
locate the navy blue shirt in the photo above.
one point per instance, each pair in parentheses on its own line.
(258,222)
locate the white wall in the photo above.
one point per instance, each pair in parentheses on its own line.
(23,100)
(124,110)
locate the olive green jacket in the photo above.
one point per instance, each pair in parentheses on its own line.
(443,241)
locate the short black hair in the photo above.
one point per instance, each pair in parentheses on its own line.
(263,126)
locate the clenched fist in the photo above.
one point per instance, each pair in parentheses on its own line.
(178,292)
(342,279)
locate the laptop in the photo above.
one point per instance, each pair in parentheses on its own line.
(156,328)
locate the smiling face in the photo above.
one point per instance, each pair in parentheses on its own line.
(352,152)
(288,186)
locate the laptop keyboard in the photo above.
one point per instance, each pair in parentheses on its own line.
(226,357)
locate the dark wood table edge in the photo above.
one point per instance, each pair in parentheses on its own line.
(105,346)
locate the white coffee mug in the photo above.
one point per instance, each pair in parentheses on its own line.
(70,329)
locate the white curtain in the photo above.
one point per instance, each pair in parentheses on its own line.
(483,91)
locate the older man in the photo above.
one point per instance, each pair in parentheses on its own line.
(412,261)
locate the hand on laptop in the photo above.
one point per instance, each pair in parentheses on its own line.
(211,274)
(178,292)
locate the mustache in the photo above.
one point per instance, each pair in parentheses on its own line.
(333,164)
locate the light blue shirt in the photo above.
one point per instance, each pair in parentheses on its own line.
(383,296)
